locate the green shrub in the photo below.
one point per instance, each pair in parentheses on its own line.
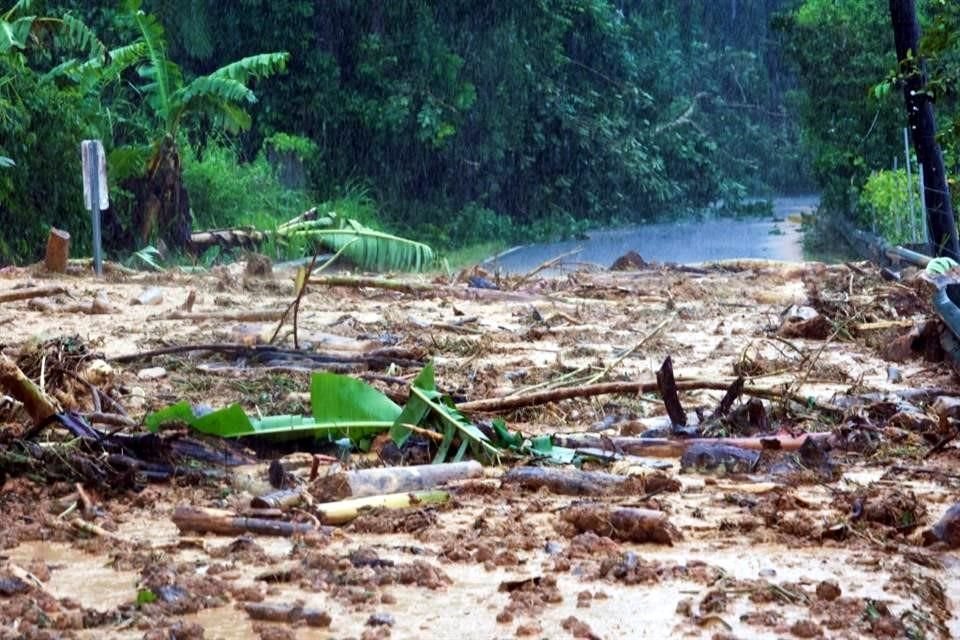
(41,128)
(885,208)
(225,192)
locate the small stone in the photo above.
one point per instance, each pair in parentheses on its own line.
(153,296)
(381,619)
(805,629)
(529,629)
(152,373)
(828,590)
(317,618)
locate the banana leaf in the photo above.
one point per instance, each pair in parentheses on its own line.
(429,408)
(343,407)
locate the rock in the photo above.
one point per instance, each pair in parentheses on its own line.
(258,266)
(803,322)
(381,619)
(719,457)
(630,261)
(153,295)
(98,372)
(828,590)
(152,373)
(947,529)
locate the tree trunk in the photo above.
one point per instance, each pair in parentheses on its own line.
(163,206)
(923,129)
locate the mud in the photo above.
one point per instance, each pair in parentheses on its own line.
(758,554)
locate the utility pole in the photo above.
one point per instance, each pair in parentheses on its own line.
(923,129)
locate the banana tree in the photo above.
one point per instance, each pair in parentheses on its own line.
(162,204)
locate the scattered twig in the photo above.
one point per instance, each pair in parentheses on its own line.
(656,330)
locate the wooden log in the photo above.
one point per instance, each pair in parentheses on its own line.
(385,480)
(32,292)
(40,407)
(625,523)
(288,613)
(572,482)
(280,499)
(58,251)
(674,448)
(343,511)
(227,523)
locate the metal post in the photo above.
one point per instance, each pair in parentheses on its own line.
(906,155)
(923,201)
(95,193)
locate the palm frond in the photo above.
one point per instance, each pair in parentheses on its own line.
(163,73)
(226,89)
(76,34)
(261,65)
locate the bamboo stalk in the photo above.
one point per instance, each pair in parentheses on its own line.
(343,511)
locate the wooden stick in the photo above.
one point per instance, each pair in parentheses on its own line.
(33,292)
(667,387)
(546,265)
(573,482)
(623,356)
(627,388)
(203,520)
(264,315)
(413,287)
(674,448)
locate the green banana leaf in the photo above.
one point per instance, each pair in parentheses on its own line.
(343,407)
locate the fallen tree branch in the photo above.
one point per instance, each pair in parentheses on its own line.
(274,355)
(40,407)
(33,292)
(263,315)
(629,388)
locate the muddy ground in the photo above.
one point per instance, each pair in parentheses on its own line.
(837,545)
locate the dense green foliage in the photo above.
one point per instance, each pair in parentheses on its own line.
(465,121)
(851,106)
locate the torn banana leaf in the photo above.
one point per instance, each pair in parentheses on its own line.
(431,409)
(343,407)
(536,447)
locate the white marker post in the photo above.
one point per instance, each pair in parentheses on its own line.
(95,192)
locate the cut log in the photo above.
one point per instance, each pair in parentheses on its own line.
(626,523)
(227,523)
(571,482)
(281,499)
(384,480)
(674,448)
(344,511)
(58,251)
